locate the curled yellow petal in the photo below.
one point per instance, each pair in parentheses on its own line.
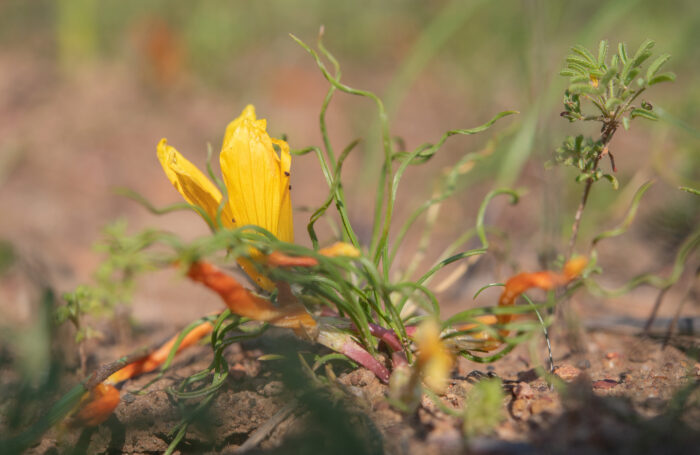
(189,181)
(340,249)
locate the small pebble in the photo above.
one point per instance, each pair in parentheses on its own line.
(567,372)
(523,390)
(605,384)
(357,391)
(237,371)
(520,409)
(543,404)
(584,364)
(272,388)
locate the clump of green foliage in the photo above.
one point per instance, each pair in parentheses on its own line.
(607,90)
(115,282)
(603,89)
(483,408)
(115,278)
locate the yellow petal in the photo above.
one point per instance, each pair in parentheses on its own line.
(249,267)
(189,181)
(256,178)
(247,114)
(574,267)
(285,228)
(434,359)
(340,249)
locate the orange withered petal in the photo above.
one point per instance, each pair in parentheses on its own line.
(545,280)
(244,303)
(155,359)
(514,287)
(277,259)
(100,403)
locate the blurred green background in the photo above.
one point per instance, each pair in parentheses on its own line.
(88,87)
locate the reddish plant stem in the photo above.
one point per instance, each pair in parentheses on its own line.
(398,359)
(605,138)
(386,335)
(579,215)
(357,353)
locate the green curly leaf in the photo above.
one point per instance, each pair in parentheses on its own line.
(663,77)
(629,217)
(649,115)
(613,181)
(656,65)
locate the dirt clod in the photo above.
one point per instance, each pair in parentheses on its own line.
(520,409)
(567,372)
(523,390)
(605,384)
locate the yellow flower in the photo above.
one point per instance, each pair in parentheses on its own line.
(256,179)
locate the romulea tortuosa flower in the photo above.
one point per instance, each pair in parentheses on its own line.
(256,178)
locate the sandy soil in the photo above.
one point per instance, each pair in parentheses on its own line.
(618,400)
